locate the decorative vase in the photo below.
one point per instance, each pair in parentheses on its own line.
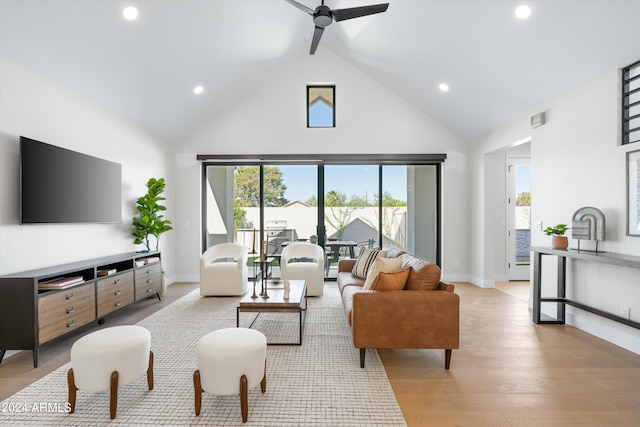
(286,289)
(559,242)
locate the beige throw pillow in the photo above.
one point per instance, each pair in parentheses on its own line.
(387,265)
(365,260)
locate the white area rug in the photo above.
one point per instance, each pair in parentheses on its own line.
(317,384)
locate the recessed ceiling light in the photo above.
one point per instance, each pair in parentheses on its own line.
(523,12)
(130,13)
(444,87)
(198,90)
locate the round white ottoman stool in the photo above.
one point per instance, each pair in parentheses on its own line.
(230,361)
(109,358)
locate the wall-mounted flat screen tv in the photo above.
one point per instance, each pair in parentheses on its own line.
(62,186)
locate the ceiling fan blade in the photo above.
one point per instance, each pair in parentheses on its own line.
(316,39)
(301,7)
(356,12)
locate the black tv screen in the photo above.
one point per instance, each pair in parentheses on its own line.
(62,186)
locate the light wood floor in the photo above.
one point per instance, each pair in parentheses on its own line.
(511,372)
(507,372)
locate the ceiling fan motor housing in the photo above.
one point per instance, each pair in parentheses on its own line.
(322,16)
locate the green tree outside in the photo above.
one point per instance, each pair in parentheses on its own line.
(247,186)
(335,198)
(358,202)
(240,217)
(524,199)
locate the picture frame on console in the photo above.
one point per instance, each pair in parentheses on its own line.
(633,193)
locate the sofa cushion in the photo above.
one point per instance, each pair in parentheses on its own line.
(394,281)
(345,279)
(347,300)
(388,265)
(366,258)
(423,275)
(394,252)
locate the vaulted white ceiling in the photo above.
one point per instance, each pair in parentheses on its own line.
(497,66)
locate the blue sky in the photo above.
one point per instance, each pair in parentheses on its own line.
(523,178)
(363,179)
(301,181)
(320,115)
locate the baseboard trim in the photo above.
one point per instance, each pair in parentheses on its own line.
(184,278)
(483,283)
(455,277)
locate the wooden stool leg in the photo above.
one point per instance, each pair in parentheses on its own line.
(198,391)
(113,404)
(263,383)
(72,390)
(150,371)
(244,398)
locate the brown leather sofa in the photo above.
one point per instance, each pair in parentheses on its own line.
(424,315)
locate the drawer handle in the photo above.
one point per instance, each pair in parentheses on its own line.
(70,310)
(149,280)
(69,296)
(118,304)
(71,324)
(116,281)
(149,290)
(148,271)
(117,292)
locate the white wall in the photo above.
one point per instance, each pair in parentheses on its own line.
(495,208)
(576,161)
(35,107)
(486,188)
(370,119)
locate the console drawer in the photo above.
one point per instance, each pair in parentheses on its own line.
(66,311)
(112,283)
(65,297)
(148,280)
(114,293)
(75,320)
(108,304)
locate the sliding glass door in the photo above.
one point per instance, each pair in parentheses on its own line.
(350,211)
(419,225)
(260,206)
(343,207)
(290,208)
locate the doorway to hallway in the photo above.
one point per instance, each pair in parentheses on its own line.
(518,217)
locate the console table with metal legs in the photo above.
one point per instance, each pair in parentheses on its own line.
(560,299)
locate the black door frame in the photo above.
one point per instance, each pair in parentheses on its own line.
(321,160)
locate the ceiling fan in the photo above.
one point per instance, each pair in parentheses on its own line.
(323,16)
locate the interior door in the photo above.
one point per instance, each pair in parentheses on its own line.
(518,217)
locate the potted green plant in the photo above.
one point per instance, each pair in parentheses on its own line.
(150,221)
(558,240)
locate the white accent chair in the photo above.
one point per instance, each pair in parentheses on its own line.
(304,261)
(223,270)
